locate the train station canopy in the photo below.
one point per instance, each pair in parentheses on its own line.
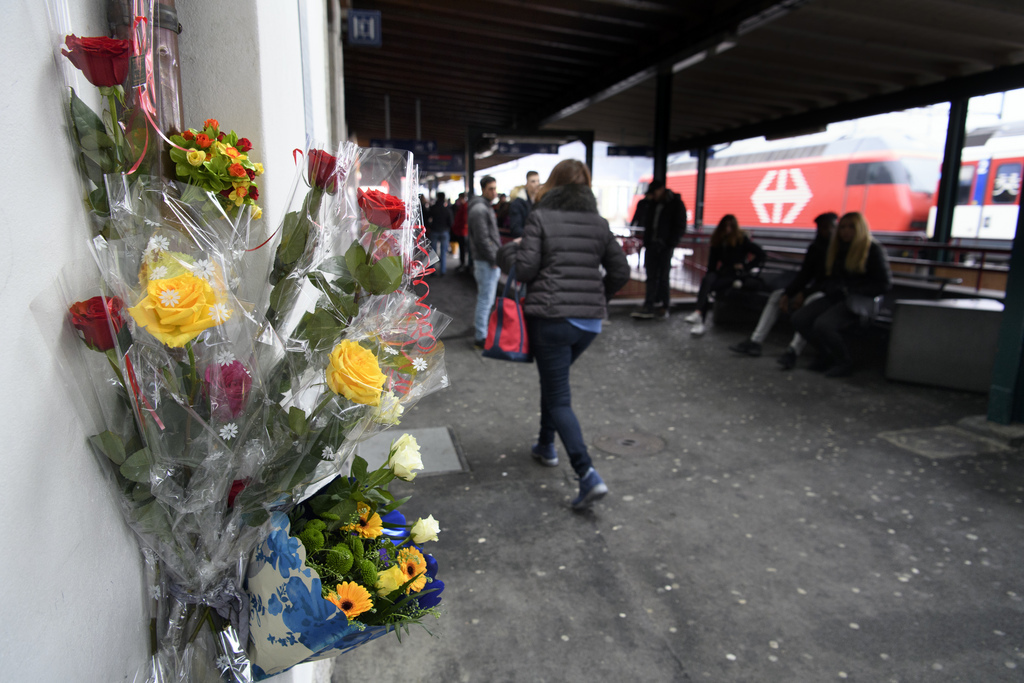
(739,68)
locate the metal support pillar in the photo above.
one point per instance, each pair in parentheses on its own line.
(1006,395)
(698,202)
(472,138)
(662,120)
(588,142)
(948,184)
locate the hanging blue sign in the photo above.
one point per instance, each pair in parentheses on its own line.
(524,148)
(445,164)
(364,27)
(414,146)
(626,151)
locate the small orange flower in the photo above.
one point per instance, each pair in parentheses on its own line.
(188,135)
(368,526)
(211,123)
(237,170)
(232,152)
(413,565)
(351,598)
(203,140)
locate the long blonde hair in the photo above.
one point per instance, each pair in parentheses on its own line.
(721,235)
(565,172)
(857,255)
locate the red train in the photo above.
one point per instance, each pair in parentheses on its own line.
(786,188)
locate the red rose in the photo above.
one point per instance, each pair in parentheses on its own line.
(321,170)
(254,194)
(251,173)
(104,61)
(382,209)
(236,487)
(243,145)
(94,319)
(227,387)
(220,137)
(188,135)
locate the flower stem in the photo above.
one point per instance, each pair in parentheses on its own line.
(118,138)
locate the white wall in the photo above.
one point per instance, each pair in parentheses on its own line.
(70,569)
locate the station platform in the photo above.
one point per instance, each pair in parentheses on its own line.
(762,525)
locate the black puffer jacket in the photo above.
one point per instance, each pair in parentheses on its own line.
(560,257)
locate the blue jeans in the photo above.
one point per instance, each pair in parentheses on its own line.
(439,241)
(486,286)
(556,344)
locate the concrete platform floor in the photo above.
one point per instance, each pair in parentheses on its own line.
(758,528)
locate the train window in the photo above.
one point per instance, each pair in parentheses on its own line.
(963,188)
(857,174)
(1006,185)
(885,173)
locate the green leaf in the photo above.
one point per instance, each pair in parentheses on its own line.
(358,468)
(385,275)
(293,239)
(110,445)
(84,119)
(297,421)
(152,518)
(319,326)
(355,257)
(98,202)
(136,467)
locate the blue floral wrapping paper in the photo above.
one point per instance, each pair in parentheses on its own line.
(289,621)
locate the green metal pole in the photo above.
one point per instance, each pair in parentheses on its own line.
(1006,396)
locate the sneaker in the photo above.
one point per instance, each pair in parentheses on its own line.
(697,330)
(545,454)
(643,314)
(748,347)
(592,489)
(478,344)
(694,317)
(788,359)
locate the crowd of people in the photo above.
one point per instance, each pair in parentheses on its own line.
(554,238)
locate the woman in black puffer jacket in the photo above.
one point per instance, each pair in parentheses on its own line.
(559,257)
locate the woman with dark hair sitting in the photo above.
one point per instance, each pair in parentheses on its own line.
(731,258)
(856,271)
(559,257)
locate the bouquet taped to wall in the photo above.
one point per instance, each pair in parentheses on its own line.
(243,362)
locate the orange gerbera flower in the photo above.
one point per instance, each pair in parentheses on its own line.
(413,565)
(351,598)
(368,526)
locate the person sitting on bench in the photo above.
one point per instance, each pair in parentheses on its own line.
(804,288)
(856,272)
(733,255)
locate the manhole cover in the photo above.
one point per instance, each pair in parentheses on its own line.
(629,443)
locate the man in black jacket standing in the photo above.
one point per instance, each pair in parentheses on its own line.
(663,216)
(439,224)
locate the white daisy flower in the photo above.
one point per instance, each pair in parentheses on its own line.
(169,297)
(219,312)
(389,350)
(328,454)
(444,381)
(320,422)
(154,592)
(158,273)
(419,364)
(223,663)
(238,253)
(235,282)
(225,357)
(158,243)
(229,431)
(99,243)
(203,268)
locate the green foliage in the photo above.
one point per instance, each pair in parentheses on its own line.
(380,277)
(312,539)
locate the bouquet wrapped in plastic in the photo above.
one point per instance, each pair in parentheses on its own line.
(234,382)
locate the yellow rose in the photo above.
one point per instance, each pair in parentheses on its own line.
(354,373)
(257,213)
(176,310)
(389,580)
(196,157)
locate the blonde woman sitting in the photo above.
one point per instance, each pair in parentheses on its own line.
(856,272)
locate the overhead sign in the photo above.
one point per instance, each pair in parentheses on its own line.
(414,146)
(442,164)
(524,148)
(791,189)
(364,27)
(630,151)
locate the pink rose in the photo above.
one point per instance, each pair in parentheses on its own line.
(227,387)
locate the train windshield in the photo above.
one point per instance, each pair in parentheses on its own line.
(923,174)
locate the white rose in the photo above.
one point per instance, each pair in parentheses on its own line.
(405,457)
(388,411)
(425,530)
